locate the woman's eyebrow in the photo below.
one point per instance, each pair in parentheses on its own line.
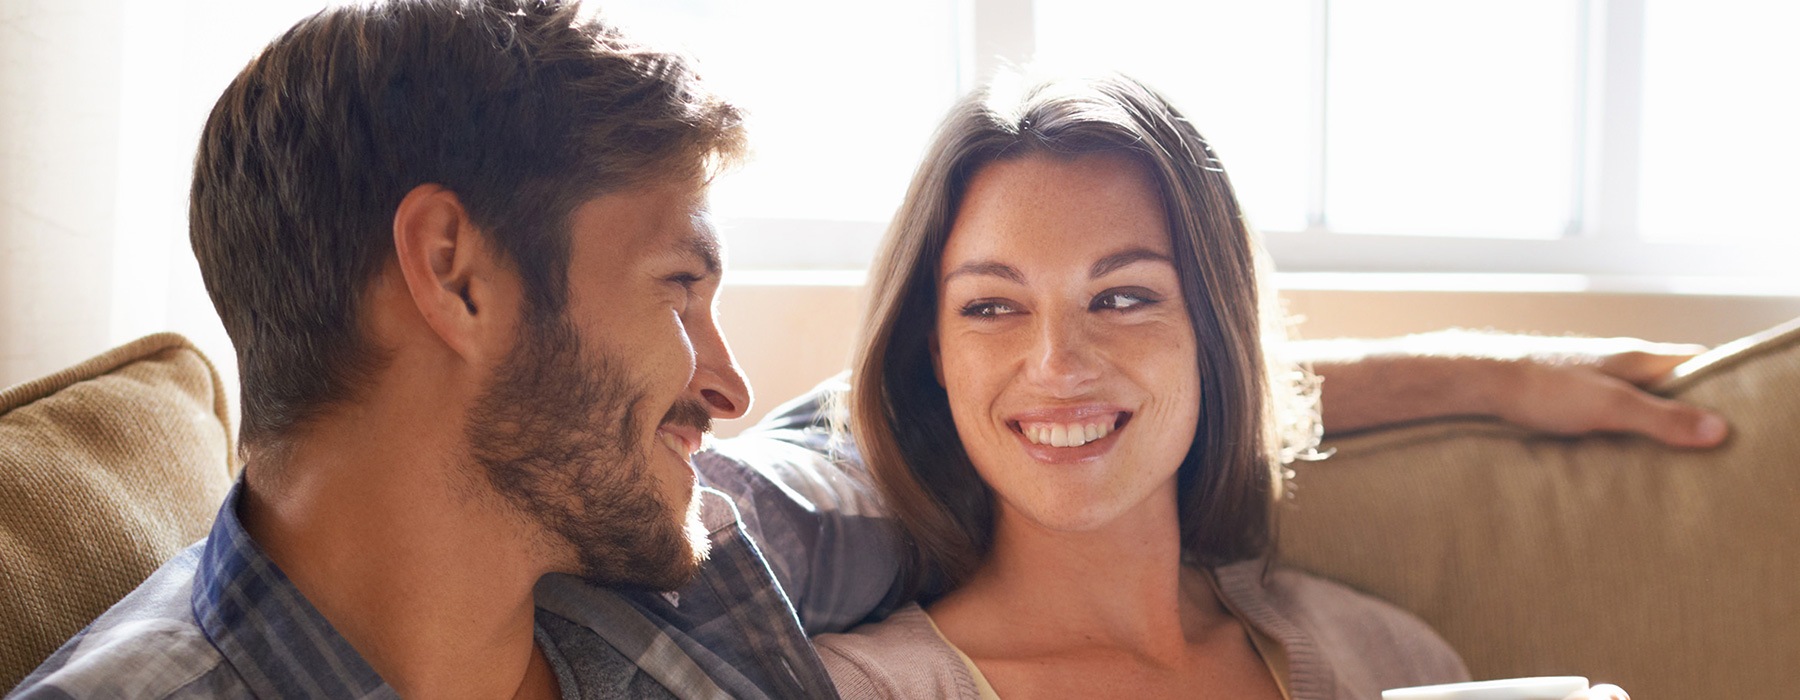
(986,267)
(1122,258)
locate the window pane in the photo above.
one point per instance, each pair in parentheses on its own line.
(1451,118)
(1238,69)
(1721,113)
(842,96)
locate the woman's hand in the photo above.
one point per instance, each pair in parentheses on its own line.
(1562,386)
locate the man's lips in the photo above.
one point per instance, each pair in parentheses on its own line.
(680,439)
(683,426)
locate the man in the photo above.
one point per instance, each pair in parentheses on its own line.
(462,251)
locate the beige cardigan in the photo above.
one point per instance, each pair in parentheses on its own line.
(1338,644)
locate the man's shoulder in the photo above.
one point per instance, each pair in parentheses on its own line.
(147,645)
(783,464)
(794,452)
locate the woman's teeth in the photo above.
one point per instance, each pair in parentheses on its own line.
(1065,434)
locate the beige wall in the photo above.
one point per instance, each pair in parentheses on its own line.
(787,338)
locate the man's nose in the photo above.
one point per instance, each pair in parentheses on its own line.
(717,379)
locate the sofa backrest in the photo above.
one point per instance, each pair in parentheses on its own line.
(107,469)
(1673,573)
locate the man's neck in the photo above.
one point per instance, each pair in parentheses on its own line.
(429,582)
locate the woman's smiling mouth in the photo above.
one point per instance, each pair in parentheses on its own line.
(1068,428)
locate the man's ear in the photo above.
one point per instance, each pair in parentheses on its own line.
(450,270)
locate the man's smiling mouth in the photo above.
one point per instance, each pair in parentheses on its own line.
(679,443)
(684,427)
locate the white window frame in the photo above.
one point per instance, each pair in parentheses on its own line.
(1601,245)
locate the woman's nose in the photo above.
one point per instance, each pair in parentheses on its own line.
(1063,361)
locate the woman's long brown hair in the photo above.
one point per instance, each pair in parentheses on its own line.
(900,415)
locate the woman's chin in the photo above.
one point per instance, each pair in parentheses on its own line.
(1082,507)
(1071,516)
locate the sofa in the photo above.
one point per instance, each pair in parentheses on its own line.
(107,469)
(1672,573)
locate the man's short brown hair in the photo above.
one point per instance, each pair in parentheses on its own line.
(523,108)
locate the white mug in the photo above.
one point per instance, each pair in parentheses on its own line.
(1541,688)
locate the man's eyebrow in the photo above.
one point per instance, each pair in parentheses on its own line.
(987,267)
(703,244)
(1122,258)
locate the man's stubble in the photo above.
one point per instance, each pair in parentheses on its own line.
(557,433)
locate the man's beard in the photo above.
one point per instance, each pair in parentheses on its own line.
(557,433)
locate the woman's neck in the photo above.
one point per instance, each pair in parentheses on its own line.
(1120,587)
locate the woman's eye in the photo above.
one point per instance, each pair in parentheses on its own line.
(985,309)
(1120,300)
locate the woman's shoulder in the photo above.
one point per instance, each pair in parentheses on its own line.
(1336,635)
(902,656)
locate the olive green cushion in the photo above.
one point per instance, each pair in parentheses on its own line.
(107,469)
(1673,573)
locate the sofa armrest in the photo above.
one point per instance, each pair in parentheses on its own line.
(1673,573)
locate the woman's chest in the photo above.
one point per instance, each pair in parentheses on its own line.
(1230,672)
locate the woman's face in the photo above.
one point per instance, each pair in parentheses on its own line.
(1063,340)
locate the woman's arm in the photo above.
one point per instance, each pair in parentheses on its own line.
(1562,386)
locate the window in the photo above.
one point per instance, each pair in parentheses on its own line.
(1451,118)
(1260,123)
(1640,139)
(840,95)
(1721,123)
(841,100)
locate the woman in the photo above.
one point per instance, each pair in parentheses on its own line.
(1062,395)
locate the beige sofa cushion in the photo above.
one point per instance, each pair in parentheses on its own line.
(1673,573)
(106,469)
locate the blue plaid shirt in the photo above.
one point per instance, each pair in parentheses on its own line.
(797,549)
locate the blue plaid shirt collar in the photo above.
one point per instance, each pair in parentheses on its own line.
(265,628)
(731,632)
